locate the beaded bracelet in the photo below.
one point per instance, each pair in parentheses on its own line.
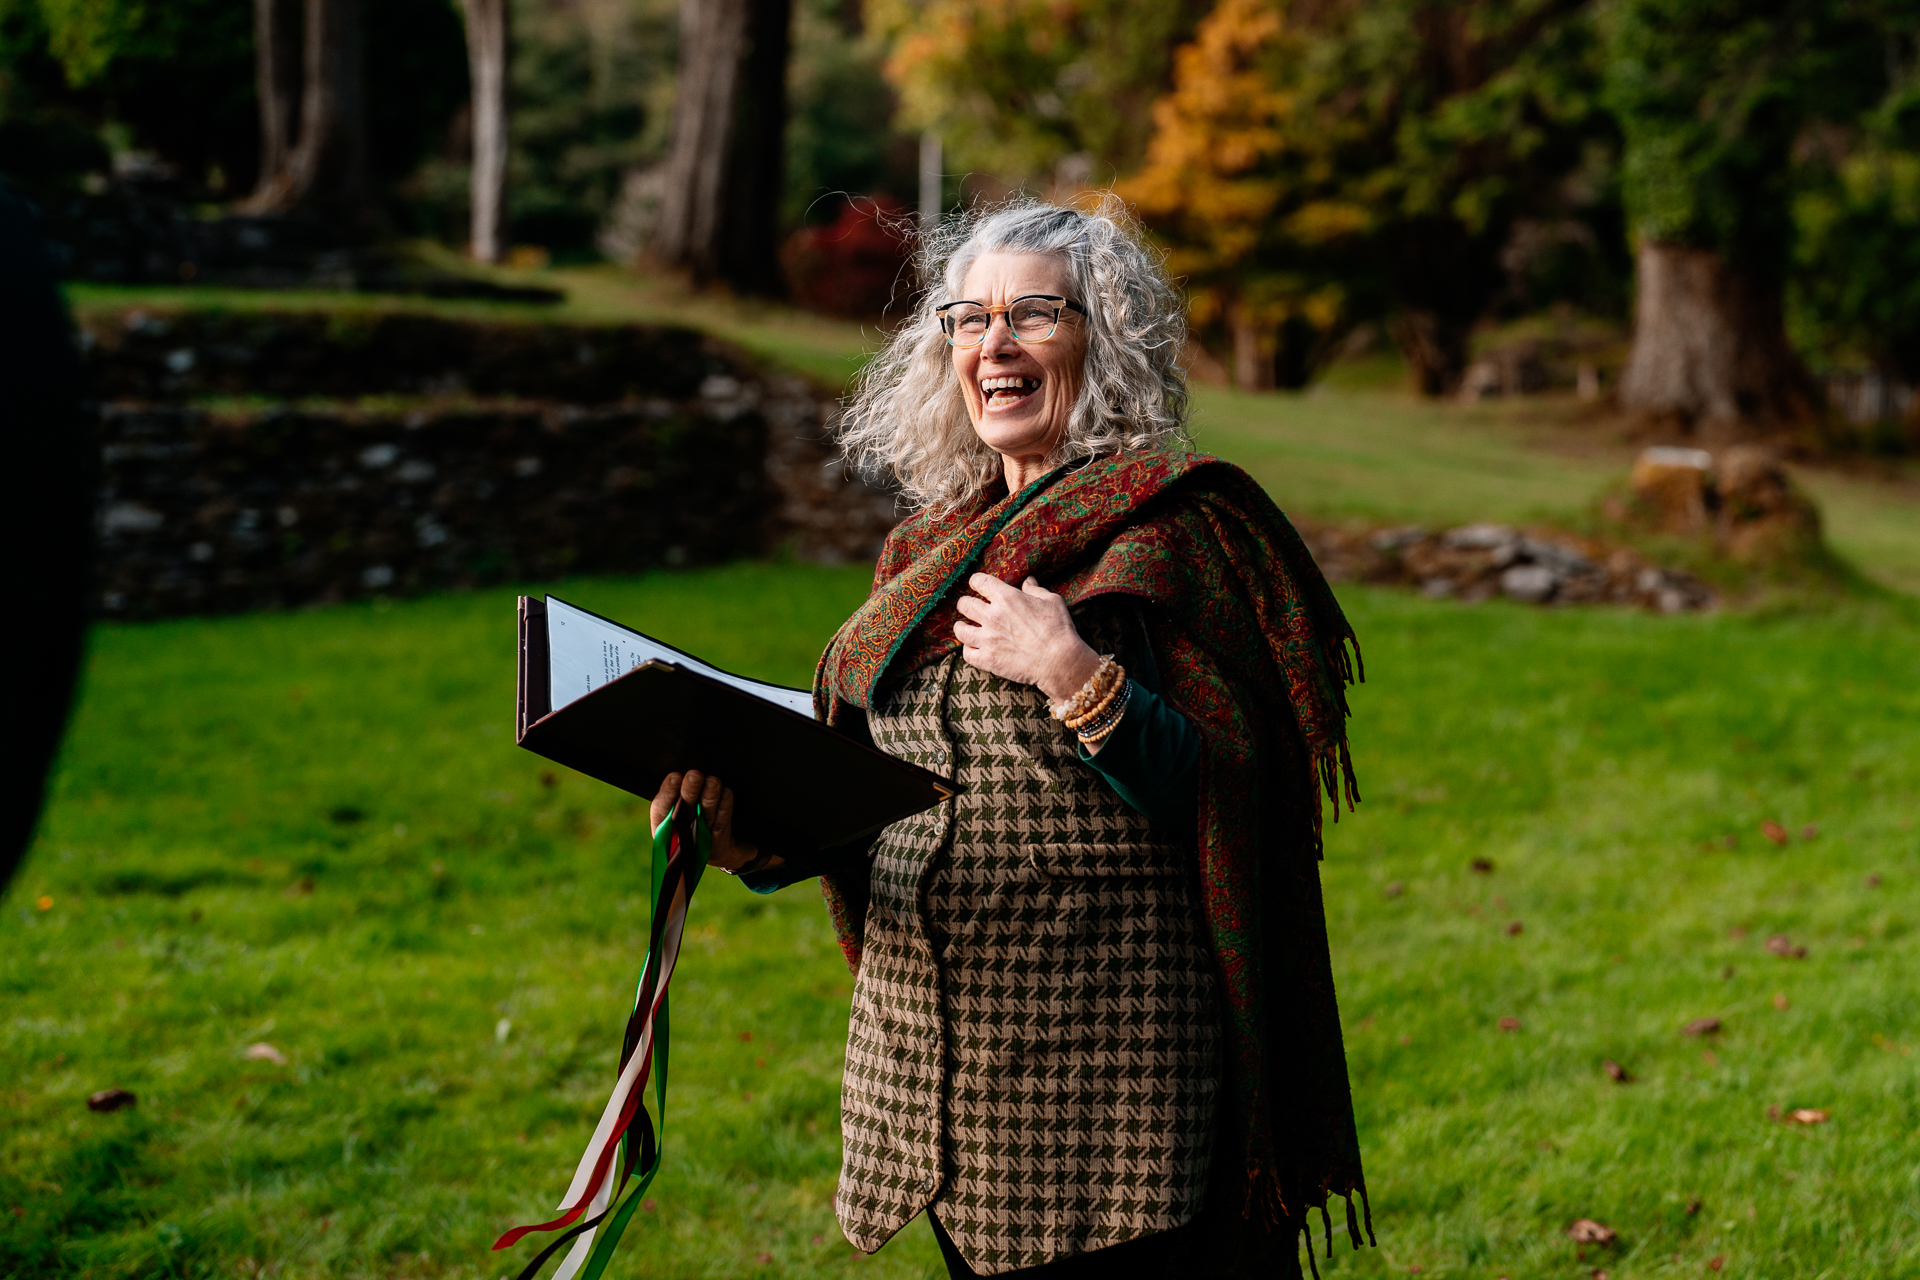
(1100,683)
(1100,708)
(1096,733)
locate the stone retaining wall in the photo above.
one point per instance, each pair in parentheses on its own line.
(258,461)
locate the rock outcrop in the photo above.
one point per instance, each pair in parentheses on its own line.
(1742,501)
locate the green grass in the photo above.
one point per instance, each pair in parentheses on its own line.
(1596,757)
(1386,456)
(828,351)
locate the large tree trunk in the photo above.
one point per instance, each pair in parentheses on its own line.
(750,255)
(487,62)
(276,44)
(1435,347)
(1710,349)
(686,232)
(719,211)
(325,166)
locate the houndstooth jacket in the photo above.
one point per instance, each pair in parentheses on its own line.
(1035,1035)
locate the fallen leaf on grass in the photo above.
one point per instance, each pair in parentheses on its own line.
(1394,889)
(1726,974)
(763,1258)
(1717,1262)
(1737,932)
(1515,929)
(1598,1274)
(44,902)
(1615,1072)
(264,1052)
(1873,881)
(1808,1115)
(1701,1027)
(1482,866)
(1773,831)
(111,1100)
(1781,1002)
(1509,1023)
(1587,1231)
(1693,1207)
(1781,945)
(299,888)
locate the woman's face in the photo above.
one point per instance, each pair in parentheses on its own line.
(1020,395)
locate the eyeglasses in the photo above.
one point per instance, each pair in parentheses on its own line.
(1032,318)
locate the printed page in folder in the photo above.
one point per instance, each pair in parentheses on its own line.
(585,651)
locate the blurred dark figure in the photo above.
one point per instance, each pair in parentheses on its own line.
(46,520)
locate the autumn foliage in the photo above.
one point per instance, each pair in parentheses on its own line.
(1230,187)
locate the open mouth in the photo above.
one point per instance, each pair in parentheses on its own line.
(1005,391)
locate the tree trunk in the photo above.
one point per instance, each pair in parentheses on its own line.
(487,39)
(1254,344)
(1710,349)
(276,43)
(756,186)
(687,228)
(325,166)
(719,213)
(1435,347)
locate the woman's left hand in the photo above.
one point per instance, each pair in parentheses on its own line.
(1023,634)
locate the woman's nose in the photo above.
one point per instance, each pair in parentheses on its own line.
(999,342)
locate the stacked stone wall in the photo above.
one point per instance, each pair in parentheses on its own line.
(260,461)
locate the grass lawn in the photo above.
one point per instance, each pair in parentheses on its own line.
(312,830)
(827,350)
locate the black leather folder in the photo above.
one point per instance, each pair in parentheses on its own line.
(796,782)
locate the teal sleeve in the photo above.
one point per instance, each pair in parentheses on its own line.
(840,860)
(1152,761)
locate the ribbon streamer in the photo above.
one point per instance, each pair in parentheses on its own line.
(682,843)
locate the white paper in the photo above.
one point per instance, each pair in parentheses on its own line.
(585,652)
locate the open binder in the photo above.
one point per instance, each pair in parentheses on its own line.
(622,707)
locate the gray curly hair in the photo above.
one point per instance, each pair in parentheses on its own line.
(907,421)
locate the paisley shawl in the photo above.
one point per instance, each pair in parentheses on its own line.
(1252,648)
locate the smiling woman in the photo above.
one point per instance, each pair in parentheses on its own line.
(1120,330)
(1093,1028)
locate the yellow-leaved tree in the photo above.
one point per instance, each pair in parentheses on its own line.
(1322,162)
(1241,185)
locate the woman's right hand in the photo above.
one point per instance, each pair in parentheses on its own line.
(694,787)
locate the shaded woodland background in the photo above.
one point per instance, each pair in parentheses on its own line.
(1735,184)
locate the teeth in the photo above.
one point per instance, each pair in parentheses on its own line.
(991,385)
